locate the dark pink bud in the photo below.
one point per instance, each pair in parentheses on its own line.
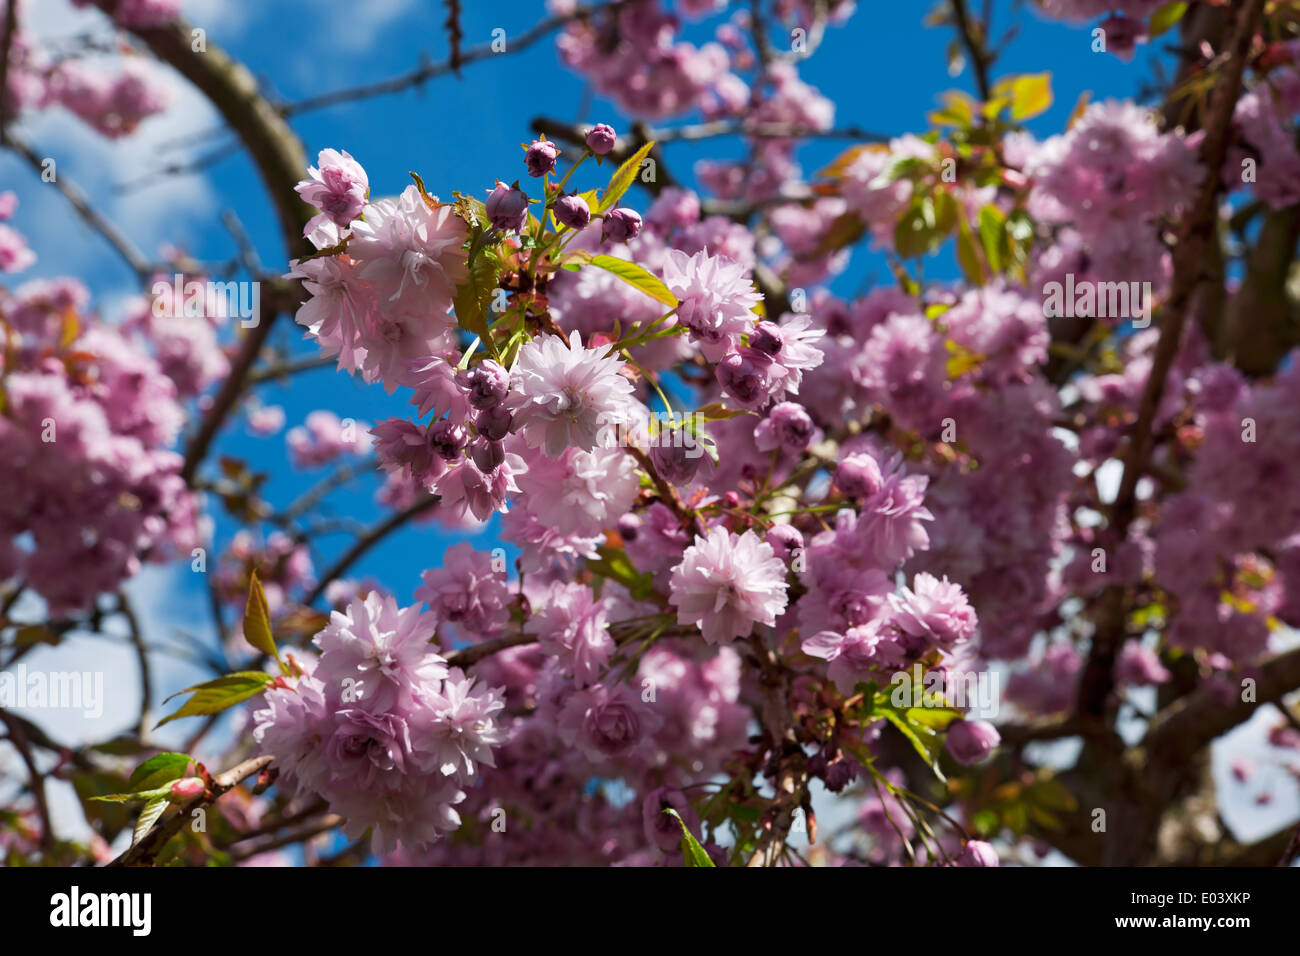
(601,139)
(629,526)
(785,539)
(540,157)
(507,207)
(743,376)
(572,211)
(620,225)
(487,383)
(448,438)
(766,337)
(494,423)
(488,455)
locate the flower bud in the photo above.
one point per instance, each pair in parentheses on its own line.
(743,376)
(839,774)
(487,383)
(977,853)
(785,539)
(620,225)
(675,462)
(628,526)
(858,476)
(572,211)
(766,338)
(663,829)
(788,426)
(185,790)
(540,157)
(601,139)
(487,455)
(507,207)
(448,438)
(494,423)
(970,741)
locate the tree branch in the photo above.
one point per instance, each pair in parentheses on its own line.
(133,257)
(144,852)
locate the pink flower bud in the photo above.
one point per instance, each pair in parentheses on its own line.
(601,139)
(507,208)
(572,211)
(540,157)
(977,853)
(858,476)
(620,225)
(187,789)
(970,741)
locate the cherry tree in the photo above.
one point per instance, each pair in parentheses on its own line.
(743,549)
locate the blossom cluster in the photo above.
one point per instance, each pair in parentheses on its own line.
(381,727)
(87,417)
(112,103)
(538,430)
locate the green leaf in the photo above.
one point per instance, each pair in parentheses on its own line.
(1031,94)
(915,230)
(716,412)
(214,696)
(961,359)
(992,225)
(934,718)
(635,275)
(623,178)
(899,167)
(158,793)
(613,563)
(1165,18)
(472,211)
(967,256)
(473,297)
(158,770)
(946,211)
(958,110)
(692,852)
(148,817)
(257,619)
(925,740)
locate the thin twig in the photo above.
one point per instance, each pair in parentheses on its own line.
(127,611)
(367,541)
(18,737)
(428,71)
(133,257)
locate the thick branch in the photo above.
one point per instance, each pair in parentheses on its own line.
(1197,231)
